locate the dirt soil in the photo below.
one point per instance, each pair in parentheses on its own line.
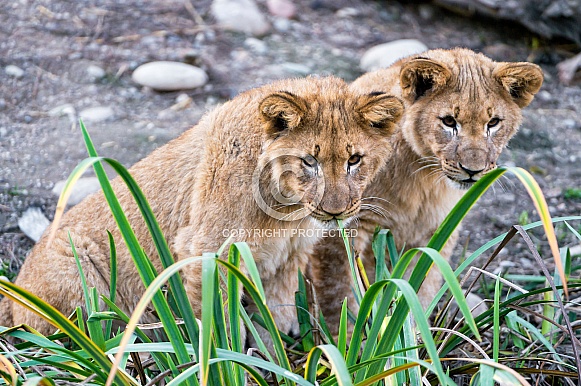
(55,42)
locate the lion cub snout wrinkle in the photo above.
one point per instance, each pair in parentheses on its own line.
(461,109)
(248,170)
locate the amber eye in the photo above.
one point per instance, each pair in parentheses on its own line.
(493,122)
(354,160)
(449,121)
(309,161)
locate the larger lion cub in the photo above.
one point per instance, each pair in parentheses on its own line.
(273,167)
(461,109)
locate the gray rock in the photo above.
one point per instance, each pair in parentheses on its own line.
(240,16)
(169,76)
(384,55)
(84,187)
(66,109)
(296,68)
(14,71)
(33,223)
(97,114)
(95,72)
(476,304)
(256,45)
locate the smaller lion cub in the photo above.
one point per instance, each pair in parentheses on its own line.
(274,167)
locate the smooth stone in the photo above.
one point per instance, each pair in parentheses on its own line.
(97,114)
(384,55)
(64,109)
(476,304)
(256,45)
(281,8)
(240,16)
(296,68)
(14,71)
(33,223)
(84,187)
(95,72)
(169,76)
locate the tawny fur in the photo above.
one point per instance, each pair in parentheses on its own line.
(423,179)
(200,187)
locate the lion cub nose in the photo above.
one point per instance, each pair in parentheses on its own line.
(469,171)
(334,206)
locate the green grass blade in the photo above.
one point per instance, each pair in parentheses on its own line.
(335,358)
(150,293)
(410,341)
(537,334)
(382,240)
(208,289)
(112,279)
(252,291)
(352,265)
(50,314)
(234,310)
(422,324)
(540,203)
(142,262)
(343,327)
(496,322)
(303,315)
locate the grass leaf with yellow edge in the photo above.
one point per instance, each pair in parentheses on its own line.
(339,368)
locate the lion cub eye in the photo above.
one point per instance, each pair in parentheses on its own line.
(449,121)
(493,122)
(309,161)
(354,160)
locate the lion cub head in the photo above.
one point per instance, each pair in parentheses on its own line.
(462,108)
(323,146)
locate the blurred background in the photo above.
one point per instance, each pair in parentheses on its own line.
(64,59)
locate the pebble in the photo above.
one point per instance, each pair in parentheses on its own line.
(281,8)
(240,16)
(575,250)
(347,12)
(570,123)
(97,114)
(281,24)
(84,187)
(476,304)
(33,223)
(544,96)
(95,72)
(14,71)
(169,76)
(384,55)
(256,45)
(64,110)
(296,68)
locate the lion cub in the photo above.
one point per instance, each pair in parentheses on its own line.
(461,109)
(274,167)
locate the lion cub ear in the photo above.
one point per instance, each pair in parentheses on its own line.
(522,80)
(282,111)
(420,75)
(380,110)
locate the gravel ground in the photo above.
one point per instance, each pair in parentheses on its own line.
(61,45)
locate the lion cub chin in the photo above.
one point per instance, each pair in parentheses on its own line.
(461,109)
(291,156)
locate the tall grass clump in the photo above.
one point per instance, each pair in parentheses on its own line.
(527,334)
